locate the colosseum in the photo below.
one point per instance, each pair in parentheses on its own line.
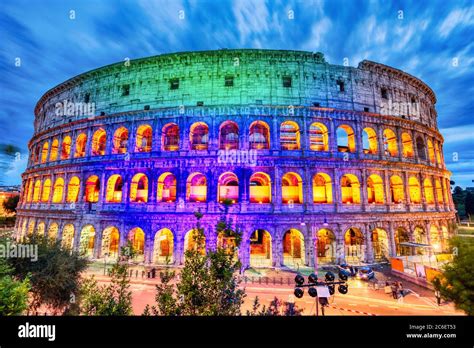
(322,163)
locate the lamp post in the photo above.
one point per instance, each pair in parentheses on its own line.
(329,283)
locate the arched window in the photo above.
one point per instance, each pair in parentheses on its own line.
(139,189)
(390,143)
(120,141)
(67,239)
(345,139)
(293,248)
(92,189)
(58,190)
(369,141)
(144,138)
(429,192)
(259,136)
(420,148)
(137,237)
(397,189)
(194,241)
(163,247)
(36,191)
(86,241)
(375,189)
(260,188)
(350,189)
(53,156)
(199,136)
(229,136)
(260,249)
(289,136)
(81,141)
(438,153)
(29,197)
(53,231)
(46,191)
(113,192)
(44,152)
(407,145)
(228,187)
(415,191)
(431,152)
(170,137)
(292,188)
(196,188)
(110,242)
(73,190)
(318,137)
(66,147)
(37,156)
(439,191)
(322,188)
(166,188)
(99,142)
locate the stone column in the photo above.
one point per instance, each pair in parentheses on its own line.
(358,140)
(276,192)
(391,238)
(98,242)
(277,251)
(332,138)
(363,188)
(369,251)
(89,142)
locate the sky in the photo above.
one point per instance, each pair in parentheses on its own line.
(43,43)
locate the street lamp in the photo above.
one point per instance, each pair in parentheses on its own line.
(329,285)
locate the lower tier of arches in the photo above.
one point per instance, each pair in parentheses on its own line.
(290,240)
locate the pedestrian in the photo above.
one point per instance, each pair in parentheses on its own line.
(394,291)
(400,288)
(438,297)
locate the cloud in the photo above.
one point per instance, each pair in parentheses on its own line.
(457,17)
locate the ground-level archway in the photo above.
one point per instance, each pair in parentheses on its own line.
(110,242)
(293,248)
(67,240)
(326,246)
(86,241)
(136,237)
(163,247)
(195,241)
(354,245)
(260,249)
(401,236)
(380,244)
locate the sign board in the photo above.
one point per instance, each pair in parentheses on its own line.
(323,291)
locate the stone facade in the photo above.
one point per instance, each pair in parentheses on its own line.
(311,154)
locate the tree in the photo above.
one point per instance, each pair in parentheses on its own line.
(457,281)
(13,292)
(54,275)
(469,203)
(208,285)
(276,308)
(11,203)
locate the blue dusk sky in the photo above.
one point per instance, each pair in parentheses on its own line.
(432,40)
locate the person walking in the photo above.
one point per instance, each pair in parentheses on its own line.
(438,297)
(394,291)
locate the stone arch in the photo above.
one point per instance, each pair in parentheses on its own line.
(110,242)
(290,135)
(199,136)
(193,241)
(81,142)
(431,152)
(58,190)
(92,190)
(120,141)
(350,189)
(53,231)
(40,228)
(436,239)
(228,136)
(260,249)
(260,188)
(67,239)
(407,145)
(143,139)
(345,139)
(44,152)
(402,236)
(322,188)
(228,187)
(375,189)
(420,237)
(429,192)
(196,188)
(420,148)
(318,137)
(166,188)
(414,189)
(397,190)
(46,192)
(53,156)
(36,191)
(380,244)
(136,237)
(259,136)
(354,245)
(170,137)
(390,142)
(139,188)
(293,248)
(326,246)
(292,188)
(99,140)
(66,147)
(73,189)
(369,141)
(87,240)
(163,247)
(113,191)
